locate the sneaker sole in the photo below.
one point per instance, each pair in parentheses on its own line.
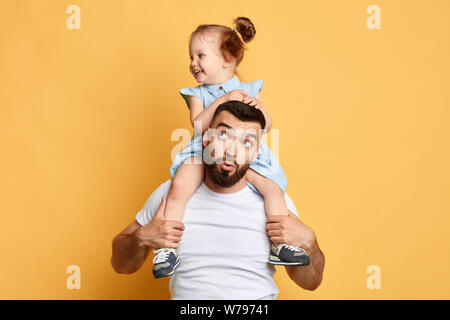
(169,274)
(277,261)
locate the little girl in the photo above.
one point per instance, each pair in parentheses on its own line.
(215,53)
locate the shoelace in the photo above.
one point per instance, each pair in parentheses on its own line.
(162,255)
(297,249)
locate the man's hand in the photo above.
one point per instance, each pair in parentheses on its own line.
(160,233)
(290,230)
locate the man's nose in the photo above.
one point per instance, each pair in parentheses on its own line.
(231,148)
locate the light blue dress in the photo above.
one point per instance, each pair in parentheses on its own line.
(266,164)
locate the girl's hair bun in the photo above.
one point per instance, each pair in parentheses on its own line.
(232,45)
(246,28)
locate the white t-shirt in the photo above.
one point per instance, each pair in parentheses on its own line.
(225,248)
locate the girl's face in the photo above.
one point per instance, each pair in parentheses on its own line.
(207,61)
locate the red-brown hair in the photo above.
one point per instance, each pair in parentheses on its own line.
(232,46)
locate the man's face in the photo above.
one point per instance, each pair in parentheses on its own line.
(230,146)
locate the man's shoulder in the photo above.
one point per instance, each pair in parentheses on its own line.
(246,195)
(203,193)
(163,188)
(150,207)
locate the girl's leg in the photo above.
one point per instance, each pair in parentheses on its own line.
(275,204)
(274,201)
(187,179)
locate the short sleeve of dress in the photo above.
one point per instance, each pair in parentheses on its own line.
(187,92)
(257,86)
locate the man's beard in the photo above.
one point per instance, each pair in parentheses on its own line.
(224,178)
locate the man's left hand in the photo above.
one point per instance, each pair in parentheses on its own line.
(290,230)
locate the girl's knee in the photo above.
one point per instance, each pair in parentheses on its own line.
(265,184)
(177,187)
(193,161)
(186,181)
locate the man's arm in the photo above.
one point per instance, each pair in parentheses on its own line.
(128,254)
(131,247)
(308,277)
(290,230)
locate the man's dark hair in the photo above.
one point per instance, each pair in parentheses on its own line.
(242,111)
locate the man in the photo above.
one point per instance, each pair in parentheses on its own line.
(226,240)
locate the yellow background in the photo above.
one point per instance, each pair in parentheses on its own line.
(363,115)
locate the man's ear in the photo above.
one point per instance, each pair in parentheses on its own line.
(257,153)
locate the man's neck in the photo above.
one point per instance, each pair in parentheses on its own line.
(241,184)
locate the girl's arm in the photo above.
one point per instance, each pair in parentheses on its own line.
(205,116)
(258,104)
(199,113)
(196,108)
(266,114)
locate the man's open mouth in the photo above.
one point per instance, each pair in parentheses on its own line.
(227,166)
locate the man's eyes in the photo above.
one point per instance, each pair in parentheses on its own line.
(245,142)
(224,134)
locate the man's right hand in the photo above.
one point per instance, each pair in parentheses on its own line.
(160,233)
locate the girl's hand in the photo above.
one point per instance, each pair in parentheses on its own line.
(258,104)
(238,95)
(254,102)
